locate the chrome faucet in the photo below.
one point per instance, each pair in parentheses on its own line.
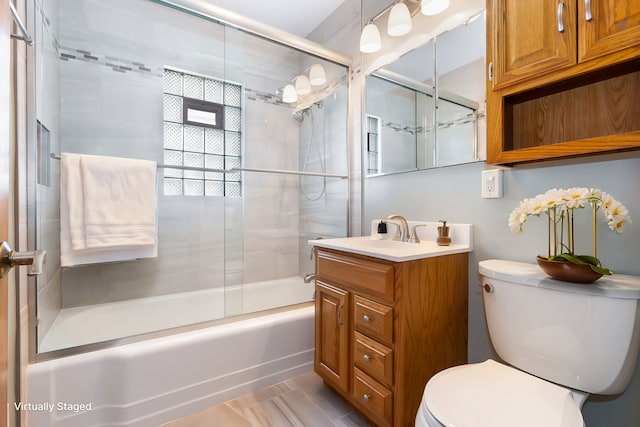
(404,227)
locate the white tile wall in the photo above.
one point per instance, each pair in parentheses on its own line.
(204,242)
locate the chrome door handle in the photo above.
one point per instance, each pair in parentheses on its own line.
(587,10)
(560,20)
(10,258)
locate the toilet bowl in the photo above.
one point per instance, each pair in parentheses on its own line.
(550,344)
(490,394)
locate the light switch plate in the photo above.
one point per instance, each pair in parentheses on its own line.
(492,184)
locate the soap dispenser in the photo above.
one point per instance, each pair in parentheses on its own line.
(443,235)
(382,230)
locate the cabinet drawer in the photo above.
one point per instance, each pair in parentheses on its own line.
(373,396)
(372,276)
(373,319)
(373,358)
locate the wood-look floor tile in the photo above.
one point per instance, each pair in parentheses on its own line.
(269,414)
(303,401)
(221,415)
(330,402)
(243,402)
(352,420)
(306,410)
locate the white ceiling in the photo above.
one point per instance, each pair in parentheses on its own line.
(299,17)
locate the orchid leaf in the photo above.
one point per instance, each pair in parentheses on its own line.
(572,259)
(590,260)
(601,270)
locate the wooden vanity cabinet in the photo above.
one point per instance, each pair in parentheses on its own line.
(563,78)
(384,328)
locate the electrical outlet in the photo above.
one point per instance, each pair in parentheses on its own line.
(492,184)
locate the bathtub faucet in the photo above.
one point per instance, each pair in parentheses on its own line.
(309,277)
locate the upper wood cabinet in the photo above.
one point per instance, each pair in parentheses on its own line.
(607,26)
(563,80)
(532,37)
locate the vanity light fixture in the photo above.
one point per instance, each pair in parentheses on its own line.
(370,38)
(433,7)
(399,22)
(317,75)
(289,94)
(302,85)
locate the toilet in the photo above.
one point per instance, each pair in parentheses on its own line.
(558,343)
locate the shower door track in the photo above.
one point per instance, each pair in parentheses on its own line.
(235,170)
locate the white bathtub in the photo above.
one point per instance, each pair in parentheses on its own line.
(152,382)
(89,324)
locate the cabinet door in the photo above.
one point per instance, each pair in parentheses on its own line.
(332,335)
(531,38)
(606,26)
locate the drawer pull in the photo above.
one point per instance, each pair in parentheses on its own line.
(340,307)
(366,318)
(366,397)
(366,358)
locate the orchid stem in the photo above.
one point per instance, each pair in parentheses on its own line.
(595,239)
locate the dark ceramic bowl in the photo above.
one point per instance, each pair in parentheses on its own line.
(568,272)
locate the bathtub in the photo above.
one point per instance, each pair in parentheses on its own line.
(151,382)
(78,326)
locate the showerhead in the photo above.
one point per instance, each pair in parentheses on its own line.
(299,115)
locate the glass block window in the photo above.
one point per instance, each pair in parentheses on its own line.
(201,147)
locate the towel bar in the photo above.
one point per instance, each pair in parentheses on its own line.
(234,170)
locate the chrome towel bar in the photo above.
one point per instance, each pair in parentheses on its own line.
(239,169)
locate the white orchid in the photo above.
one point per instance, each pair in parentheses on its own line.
(559,205)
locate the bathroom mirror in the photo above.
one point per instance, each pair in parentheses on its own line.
(405,130)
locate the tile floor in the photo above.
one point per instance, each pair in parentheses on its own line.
(302,401)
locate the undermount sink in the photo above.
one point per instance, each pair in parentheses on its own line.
(394,250)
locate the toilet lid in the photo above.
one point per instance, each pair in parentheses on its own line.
(490,394)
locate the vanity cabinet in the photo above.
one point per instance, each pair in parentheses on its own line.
(383,328)
(563,79)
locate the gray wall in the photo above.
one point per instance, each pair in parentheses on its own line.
(453,193)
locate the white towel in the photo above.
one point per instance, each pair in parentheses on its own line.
(108,209)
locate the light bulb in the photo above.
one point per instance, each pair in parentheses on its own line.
(434,7)
(399,22)
(303,87)
(317,75)
(289,94)
(370,39)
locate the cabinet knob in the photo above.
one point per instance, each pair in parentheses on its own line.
(365,397)
(366,318)
(366,358)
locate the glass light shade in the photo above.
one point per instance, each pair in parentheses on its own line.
(289,94)
(303,87)
(370,39)
(399,22)
(434,7)
(317,75)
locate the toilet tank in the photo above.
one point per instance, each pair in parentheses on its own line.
(581,336)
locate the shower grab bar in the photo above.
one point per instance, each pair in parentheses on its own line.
(16,18)
(238,169)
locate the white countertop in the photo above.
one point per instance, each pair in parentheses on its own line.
(389,249)
(393,250)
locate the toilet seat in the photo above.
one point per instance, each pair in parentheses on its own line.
(490,394)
